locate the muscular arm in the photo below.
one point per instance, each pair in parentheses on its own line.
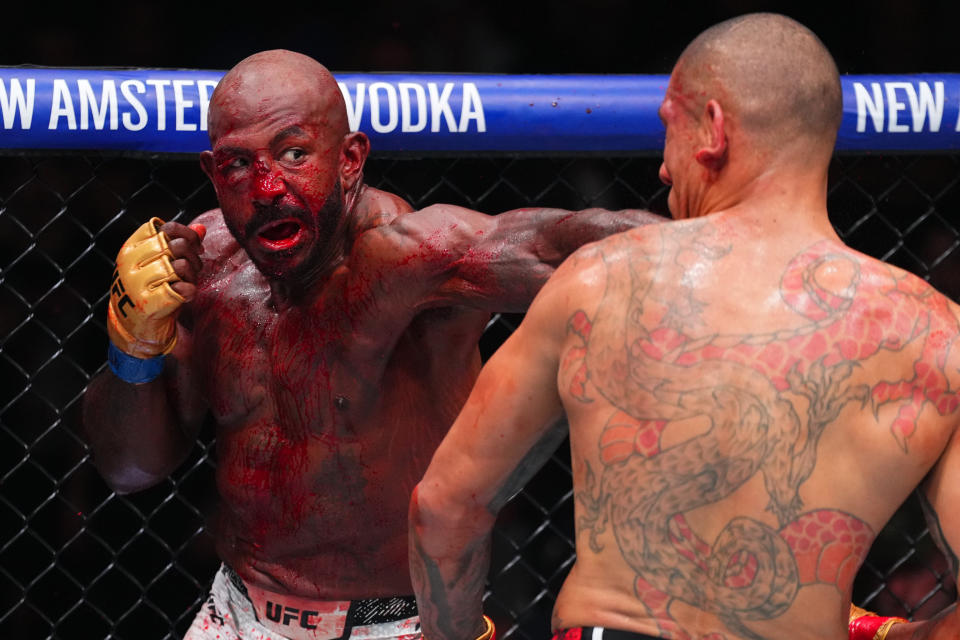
(136,433)
(508,428)
(494,263)
(139,433)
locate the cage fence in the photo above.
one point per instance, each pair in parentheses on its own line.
(78,561)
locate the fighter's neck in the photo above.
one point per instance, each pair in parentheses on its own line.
(776,201)
(306,287)
(363,210)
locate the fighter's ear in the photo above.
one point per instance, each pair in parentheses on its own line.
(353,155)
(713,154)
(206,163)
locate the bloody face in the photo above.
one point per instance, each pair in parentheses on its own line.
(277,129)
(280,194)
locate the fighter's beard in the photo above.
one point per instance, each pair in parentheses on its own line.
(330,226)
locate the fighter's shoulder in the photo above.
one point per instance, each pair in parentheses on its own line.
(924,295)
(436,227)
(617,247)
(377,207)
(583,274)
(907,281)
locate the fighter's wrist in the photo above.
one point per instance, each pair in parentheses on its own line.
(866,625)
(131,368)
(489,631)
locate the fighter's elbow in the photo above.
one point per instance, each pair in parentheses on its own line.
(127,479)
(425,504)
(435,507)
(126,485)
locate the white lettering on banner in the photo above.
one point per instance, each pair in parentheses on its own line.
(895,106)
(405,108)
(134,102)
(440,105)
(376,113)
(383,96)
(14,101)
(158,86)
(180,105)
(472,108)
(925,104)
(205,89)
(99,110)
(930,104)
(61,105)
(354,108)
(128,109)
(866,102)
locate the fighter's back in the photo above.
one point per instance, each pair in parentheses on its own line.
(745,415)
(748,399)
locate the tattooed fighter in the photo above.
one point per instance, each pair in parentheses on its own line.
(331,333)
(749,400)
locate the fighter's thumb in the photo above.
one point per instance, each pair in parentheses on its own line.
(200,229)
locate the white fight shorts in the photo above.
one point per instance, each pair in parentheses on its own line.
(237,611)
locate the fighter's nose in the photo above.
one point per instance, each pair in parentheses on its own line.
(665,175)
(267,187)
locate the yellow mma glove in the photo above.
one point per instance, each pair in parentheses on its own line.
(143,309)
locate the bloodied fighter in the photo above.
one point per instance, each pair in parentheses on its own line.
(332,334)
(749,400)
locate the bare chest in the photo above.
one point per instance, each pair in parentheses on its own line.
(320,368)
(298,366)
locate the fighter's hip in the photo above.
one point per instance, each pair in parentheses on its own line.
(236,609)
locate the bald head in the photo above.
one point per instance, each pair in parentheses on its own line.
(772,73)
(275,83)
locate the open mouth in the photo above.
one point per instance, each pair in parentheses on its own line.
(280,235)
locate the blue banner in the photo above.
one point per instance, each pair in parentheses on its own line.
(165,111)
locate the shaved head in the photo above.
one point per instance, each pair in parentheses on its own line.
(272,83)
(282,160)
(771,72)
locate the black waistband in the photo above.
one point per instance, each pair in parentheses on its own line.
(379,610)
(361,612)
(586,633)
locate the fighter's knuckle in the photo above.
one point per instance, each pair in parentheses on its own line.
(184,289)
(183,248)
(177,244)
(183,268)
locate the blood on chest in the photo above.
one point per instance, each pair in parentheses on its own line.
(277,482)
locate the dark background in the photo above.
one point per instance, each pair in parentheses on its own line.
(601,36)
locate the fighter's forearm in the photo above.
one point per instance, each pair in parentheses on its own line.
(559,233)
(945,625)
(133,432)
(449,560)
(512,261)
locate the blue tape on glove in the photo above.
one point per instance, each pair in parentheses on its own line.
(132,369)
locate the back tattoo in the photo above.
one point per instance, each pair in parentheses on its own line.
(645,353)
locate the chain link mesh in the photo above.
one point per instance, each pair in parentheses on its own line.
(78,561)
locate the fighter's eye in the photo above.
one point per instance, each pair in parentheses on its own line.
(293,154)
(237,162)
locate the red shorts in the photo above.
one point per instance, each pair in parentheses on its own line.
(600,633)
